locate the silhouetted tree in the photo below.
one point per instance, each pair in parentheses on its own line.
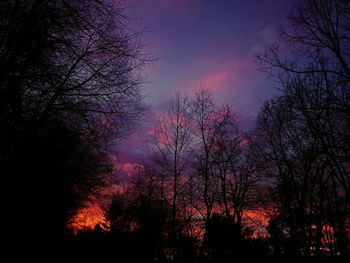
(69,82)
(207,124)
(223,239)
(171,151)
(313,119)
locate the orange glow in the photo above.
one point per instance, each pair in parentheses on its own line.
(258,220)
(88,218)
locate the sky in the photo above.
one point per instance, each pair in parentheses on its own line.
(204,43)
(208,43)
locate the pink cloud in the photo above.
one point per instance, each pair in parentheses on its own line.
(221,77)
(128,170)
(151,132)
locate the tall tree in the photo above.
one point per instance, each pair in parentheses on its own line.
(315,90)
(70,74)
(207,122)
(172,146)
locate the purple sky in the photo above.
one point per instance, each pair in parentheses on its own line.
(209,43)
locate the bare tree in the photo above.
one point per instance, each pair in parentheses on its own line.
(172,145)
(318,31)
(77,61)
(315,92)
(235,169)
(70,70)
(207,121)
(299,169)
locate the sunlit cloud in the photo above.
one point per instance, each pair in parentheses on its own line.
(221,77)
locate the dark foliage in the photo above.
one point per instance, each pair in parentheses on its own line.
(68,85)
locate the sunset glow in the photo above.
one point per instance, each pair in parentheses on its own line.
(87,218)
(175,131)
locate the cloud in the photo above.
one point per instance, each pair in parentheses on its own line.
(130,169)
(229,75)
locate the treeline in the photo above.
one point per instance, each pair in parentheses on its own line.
(70,85)
(186,202)
(202,178)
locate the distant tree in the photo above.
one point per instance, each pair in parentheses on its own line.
(152,211)
(277,237)
(223,239)
(222,169)
(207,122)
(172,146)
(234,167)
